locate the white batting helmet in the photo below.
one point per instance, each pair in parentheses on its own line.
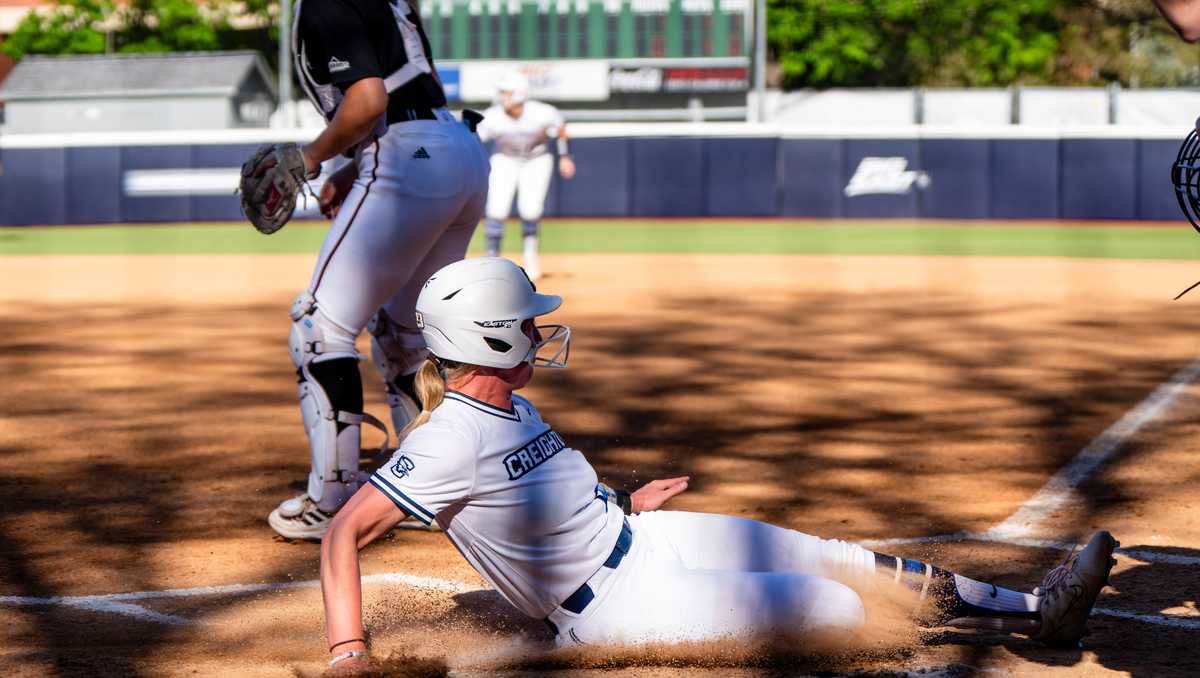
(472,311)
(517,86)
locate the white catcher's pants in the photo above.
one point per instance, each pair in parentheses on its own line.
(529,178)
(405,218)
(699,576)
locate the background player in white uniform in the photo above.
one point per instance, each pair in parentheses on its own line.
(404,207)
(528,514)
(522,163)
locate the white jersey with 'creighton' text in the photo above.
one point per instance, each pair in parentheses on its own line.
(519,504)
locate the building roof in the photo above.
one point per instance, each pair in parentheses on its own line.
(132,75)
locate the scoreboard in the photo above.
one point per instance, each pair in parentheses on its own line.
(463,30)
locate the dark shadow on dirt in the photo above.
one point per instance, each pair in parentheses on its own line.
(488,611)
(118,466)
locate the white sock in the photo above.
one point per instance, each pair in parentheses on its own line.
(531,255)
(992,597)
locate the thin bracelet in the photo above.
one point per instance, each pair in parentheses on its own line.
(347,655)
(352,640)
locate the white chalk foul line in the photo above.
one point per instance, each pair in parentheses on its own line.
(116,602)
(1013,530)
(1062,484)
(127,609)
(1058,489)
(1142,555)
(1176,621)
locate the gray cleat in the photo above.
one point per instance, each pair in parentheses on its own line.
(1069,591)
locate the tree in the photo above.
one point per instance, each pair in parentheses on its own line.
(907,42)
(98,26)
(988,43)
(73,27)
(167,26)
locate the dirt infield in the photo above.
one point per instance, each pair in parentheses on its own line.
(148,424)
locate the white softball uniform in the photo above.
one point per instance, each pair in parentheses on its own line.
(525,511)
(522,162)
(512,497)
(416,201)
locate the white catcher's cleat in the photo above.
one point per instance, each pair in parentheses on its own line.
(1069,591)
(299,518)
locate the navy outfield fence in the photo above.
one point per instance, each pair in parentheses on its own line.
(655,170)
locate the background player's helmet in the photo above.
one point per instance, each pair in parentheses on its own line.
(515,86)
(471,312)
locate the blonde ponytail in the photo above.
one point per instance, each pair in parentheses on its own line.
(430,385)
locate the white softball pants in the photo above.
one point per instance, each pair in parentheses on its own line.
(528,178)
(700,576)
(407,215)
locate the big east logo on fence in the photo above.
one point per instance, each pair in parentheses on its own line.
(884,175)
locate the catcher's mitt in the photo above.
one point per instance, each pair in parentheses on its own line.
(271,180)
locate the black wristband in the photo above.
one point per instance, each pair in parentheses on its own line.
(625,501)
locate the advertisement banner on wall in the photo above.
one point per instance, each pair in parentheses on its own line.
(679,79)
(574,80)
(450,77)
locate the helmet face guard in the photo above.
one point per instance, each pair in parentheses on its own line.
(1185,174)
(557,342)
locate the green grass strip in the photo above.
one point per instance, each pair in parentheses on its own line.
(659,237)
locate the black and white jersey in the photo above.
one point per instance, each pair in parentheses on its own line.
(339,42)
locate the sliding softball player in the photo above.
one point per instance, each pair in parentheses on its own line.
(405,206)
(522,163)
(528,513)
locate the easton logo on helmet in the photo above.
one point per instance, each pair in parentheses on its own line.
(496,323)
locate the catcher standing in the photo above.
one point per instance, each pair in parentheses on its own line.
(405,206)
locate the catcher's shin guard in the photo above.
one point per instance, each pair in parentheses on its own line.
(331,403)
(397,352)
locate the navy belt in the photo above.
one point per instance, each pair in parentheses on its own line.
(578,601)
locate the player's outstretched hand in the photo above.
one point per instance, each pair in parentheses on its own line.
(656,493)
(335,189)
(566,167)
